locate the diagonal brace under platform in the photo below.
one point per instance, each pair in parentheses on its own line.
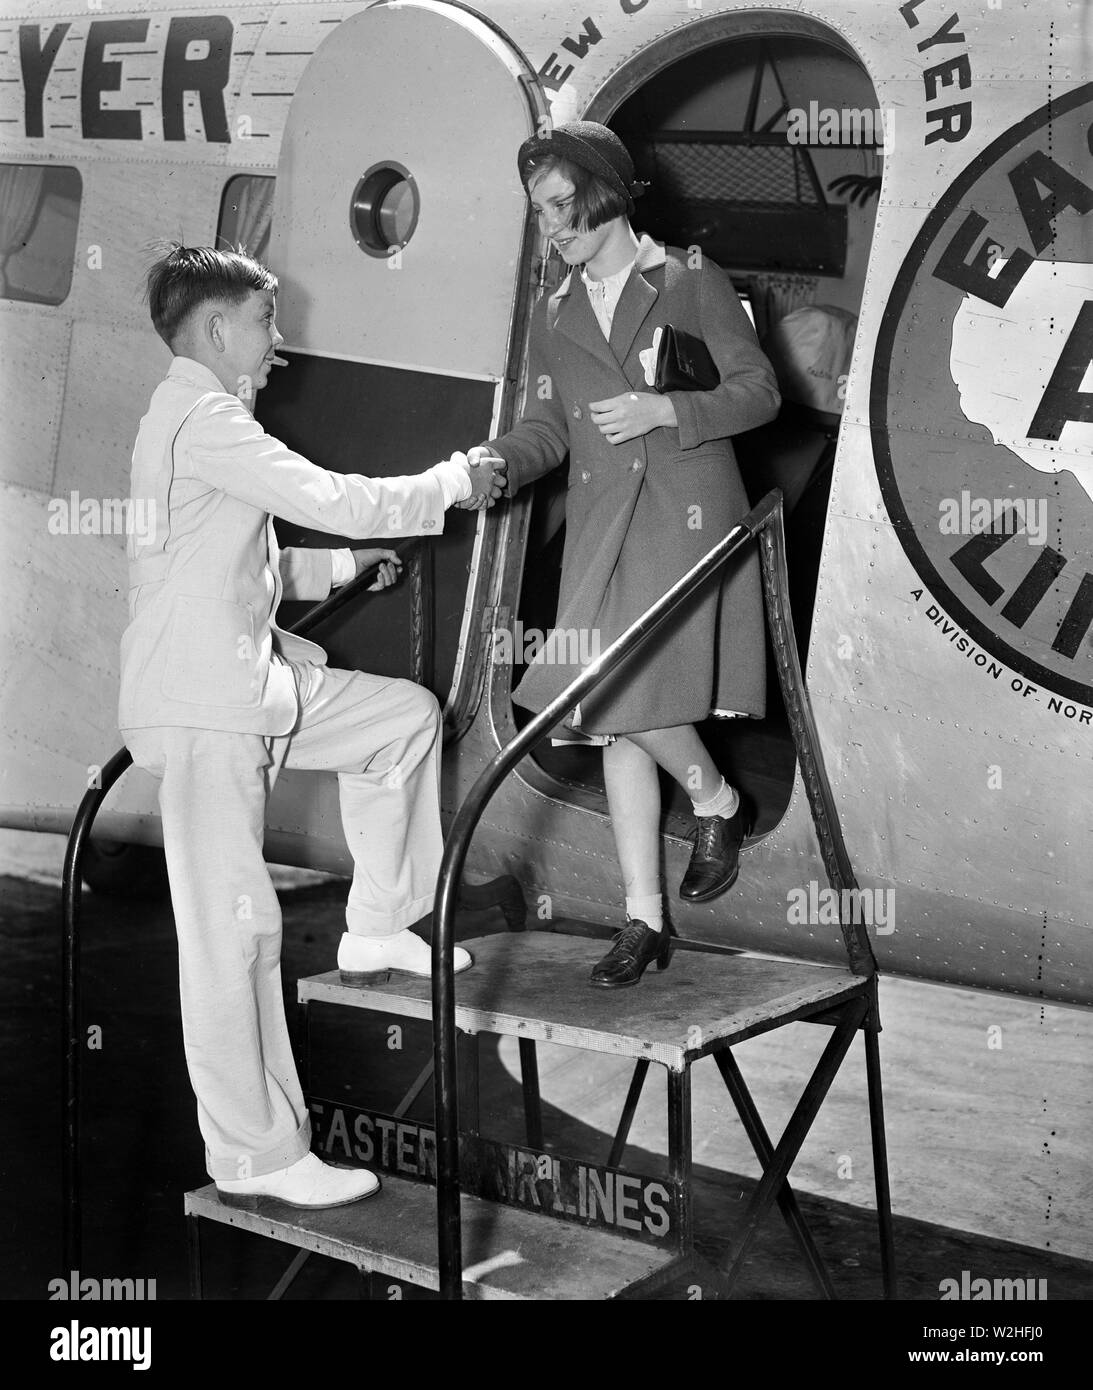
(764,1152)
(796,1131)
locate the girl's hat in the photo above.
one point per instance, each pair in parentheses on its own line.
(593,147)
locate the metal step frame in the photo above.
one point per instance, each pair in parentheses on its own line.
(763,524)
(852,1006)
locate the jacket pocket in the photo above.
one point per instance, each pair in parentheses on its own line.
(719,449)
(212,656)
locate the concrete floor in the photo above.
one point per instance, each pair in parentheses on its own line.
(988,1144)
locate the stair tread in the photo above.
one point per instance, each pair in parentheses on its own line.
(508,1253)
(535,985)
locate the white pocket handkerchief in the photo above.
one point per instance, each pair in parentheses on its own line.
(648,358)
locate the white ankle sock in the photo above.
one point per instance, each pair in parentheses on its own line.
(648,909)
(724,802)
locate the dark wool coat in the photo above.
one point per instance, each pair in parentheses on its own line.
(640,514)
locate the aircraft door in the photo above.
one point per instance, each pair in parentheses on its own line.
(404,131)
(398,237)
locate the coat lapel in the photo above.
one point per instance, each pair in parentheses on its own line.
(635,302)
(637,299)
(571,314)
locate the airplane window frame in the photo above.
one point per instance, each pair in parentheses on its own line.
(261,246)
(373,216)
(63,181)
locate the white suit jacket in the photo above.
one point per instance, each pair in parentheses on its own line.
(205,583)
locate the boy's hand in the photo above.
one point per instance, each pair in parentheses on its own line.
(487,474)
(389,562)
(629,416)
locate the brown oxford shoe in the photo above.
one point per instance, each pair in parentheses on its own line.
(715,859)
(631,951)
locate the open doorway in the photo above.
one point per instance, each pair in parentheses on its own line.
(764,152)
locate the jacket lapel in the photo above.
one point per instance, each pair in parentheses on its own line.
(571,314)
(639,295)
(635,302)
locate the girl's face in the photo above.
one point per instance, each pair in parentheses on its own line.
(552,202)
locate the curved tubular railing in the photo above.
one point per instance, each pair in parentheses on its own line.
(71,882)
(764,521)
(325,608)
(70,1000)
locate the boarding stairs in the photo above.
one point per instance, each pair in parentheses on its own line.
(465,1215)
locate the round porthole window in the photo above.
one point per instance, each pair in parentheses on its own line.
(384,208)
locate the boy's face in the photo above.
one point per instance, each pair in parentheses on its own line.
(250,339)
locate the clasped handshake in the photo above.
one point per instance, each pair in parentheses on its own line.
(487,474)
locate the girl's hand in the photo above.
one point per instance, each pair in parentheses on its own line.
(482,458)
(630,416)
(390,566)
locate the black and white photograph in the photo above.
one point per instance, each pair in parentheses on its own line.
(545,743)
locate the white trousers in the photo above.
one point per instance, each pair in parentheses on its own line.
(382,737)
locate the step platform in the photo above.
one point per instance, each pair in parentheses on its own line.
(536,985)
(507,1253)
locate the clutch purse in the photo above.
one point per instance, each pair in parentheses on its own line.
(684,363)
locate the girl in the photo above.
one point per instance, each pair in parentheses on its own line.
(653,485)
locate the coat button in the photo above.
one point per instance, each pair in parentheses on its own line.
(576,412)
(636,465)
(585,476)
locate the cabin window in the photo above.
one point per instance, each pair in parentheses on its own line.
(739,142)
(39,216)
(384,208)
(783,221)
(246,213)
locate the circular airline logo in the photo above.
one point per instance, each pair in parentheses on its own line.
(981,401)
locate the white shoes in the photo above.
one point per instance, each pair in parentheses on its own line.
(361,957)
(309,1182)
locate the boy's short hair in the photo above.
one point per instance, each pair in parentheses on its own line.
(594,200)
(185,277)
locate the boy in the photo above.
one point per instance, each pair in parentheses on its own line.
(215,699)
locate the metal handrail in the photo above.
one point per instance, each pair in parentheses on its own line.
(70,1001)
(71,909)
(763,521)
(768,514)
